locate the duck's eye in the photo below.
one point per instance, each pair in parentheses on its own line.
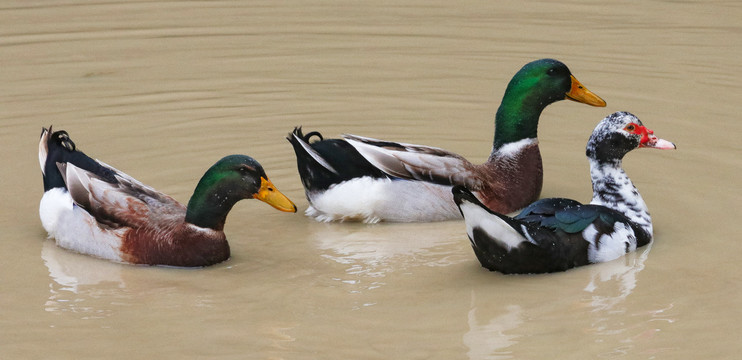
(550,71)
(630,127)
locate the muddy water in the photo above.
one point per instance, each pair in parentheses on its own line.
(163,89)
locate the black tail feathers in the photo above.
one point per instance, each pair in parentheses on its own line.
(61,150)
(298,133)
(461,193)
(62,138)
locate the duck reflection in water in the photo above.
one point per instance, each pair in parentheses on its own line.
(75,277)
(374,250)
(91,288)
(503,318)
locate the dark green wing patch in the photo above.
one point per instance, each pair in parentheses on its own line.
(568,215)
(575,219)
(545,208)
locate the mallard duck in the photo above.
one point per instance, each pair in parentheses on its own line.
(91,208)
(558,234)
(364,179)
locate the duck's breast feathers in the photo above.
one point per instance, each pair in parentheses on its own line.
(124,203)
(182,245)
(416,162)
(326,162)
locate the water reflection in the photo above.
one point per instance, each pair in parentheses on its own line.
(601,310)
(490,340)
(95,288)
(373,251)
(77,277)
(619,275)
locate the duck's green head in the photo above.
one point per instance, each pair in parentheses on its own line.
(535,86)
(231,179)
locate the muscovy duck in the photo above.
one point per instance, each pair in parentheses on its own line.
(557,234)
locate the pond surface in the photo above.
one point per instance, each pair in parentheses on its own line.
(162,89)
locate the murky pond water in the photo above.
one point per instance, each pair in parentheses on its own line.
(163,89)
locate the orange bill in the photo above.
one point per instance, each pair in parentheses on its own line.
(270,195)
(581,94)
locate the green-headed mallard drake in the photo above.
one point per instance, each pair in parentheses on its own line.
(558,234)
(358,178)
(91,208)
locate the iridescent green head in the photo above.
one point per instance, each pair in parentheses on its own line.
(532,88)
(231,179)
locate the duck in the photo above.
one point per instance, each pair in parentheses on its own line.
(357,178)
(92,208)
(557,234)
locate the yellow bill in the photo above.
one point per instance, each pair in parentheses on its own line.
(581,94)
(270,195)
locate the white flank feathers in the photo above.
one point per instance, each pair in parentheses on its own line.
(53,204)
(372,200)
(74,229)
(610,246)
(500,231)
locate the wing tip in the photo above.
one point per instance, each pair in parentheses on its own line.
(78,182)
(44,148)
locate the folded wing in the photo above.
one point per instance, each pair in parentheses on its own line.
(416,162)
(126,202)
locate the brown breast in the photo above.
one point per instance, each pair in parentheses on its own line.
(511,183)
(185,245)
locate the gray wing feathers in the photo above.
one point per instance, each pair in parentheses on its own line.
(416,162)
(127,203)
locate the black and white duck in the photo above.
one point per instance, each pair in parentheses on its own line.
(557,234)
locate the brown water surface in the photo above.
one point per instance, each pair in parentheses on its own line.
(162,89)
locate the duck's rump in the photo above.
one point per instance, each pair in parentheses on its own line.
(324,163)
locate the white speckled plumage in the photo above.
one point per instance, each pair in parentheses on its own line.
(607,247)
(622,195)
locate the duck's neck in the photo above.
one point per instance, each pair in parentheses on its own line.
(612,188)
(209,205)
(517,117)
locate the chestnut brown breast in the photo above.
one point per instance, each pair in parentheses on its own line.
(510,183)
